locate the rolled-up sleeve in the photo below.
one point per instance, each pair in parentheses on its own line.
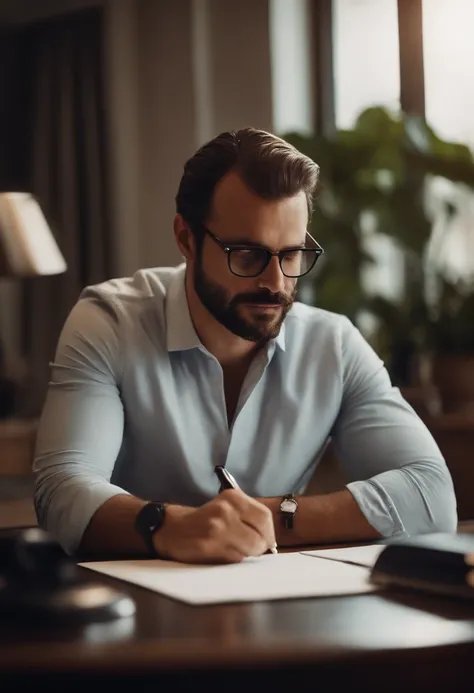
(397,473)
(81,427)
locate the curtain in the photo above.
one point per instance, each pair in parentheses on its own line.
(68,175)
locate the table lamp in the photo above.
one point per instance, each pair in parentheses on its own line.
(27,249)
(27,246)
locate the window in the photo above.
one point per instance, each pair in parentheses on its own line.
(448,52)
(367,73)
(290,61)
(366,57)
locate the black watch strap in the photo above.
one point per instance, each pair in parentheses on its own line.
(288,508)
(149,520)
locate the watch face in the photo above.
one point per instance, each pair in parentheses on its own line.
(152,517)
(288,506)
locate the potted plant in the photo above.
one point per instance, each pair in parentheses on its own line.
(376,179)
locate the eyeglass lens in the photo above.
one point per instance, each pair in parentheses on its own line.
(252,261)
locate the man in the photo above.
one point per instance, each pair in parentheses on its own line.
(161,377)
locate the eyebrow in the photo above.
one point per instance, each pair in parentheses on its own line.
(253,244)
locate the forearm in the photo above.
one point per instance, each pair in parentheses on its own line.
(111,531)
(324,519)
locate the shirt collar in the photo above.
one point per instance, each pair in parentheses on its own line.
(181,334)
(280,341)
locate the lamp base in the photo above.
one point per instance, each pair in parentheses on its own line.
(76,603)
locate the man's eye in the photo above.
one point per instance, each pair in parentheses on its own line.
(293,255)
(248,257)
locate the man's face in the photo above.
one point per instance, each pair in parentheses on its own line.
(252,308)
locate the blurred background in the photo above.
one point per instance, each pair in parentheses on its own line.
(102,101)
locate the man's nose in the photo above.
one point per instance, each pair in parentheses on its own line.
(272,278)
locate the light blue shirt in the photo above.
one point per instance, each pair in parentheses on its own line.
(136,404)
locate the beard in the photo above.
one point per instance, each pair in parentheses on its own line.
(258,326)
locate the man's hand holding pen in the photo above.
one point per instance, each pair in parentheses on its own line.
(227,529)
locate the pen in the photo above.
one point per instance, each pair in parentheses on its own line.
(227,481)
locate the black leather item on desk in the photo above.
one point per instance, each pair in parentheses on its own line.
(38,581)
(440,563)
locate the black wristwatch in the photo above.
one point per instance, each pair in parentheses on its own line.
(148,521)
(288,508)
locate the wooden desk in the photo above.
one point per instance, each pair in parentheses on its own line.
(384,643)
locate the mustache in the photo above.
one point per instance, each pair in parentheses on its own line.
(278,299)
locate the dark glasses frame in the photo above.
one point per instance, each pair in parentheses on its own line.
(229,248)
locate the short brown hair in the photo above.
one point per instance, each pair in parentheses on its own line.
(271,167)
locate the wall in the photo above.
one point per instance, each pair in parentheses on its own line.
(241,70)
(193,69)
(166,120)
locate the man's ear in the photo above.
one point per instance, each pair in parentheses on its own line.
(184,237)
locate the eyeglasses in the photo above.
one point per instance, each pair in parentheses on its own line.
(250,261)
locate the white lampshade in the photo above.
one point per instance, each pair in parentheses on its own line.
(27,246)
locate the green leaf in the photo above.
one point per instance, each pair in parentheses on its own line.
(382,166)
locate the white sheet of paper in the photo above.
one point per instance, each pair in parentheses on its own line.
(283,576)
(358,555)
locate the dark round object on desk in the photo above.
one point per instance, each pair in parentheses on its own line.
(80,603)
(39,582)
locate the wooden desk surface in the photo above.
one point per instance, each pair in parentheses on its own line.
(391,641)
